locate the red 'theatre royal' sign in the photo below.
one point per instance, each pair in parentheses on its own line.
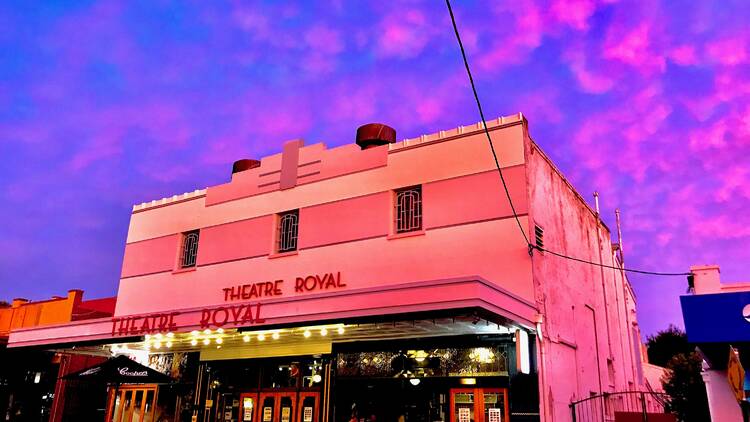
(240,314)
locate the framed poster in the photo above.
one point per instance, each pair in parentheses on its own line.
(247,409)
(286,413)
(307,414)
(464,414)
(495,415)
(267,412)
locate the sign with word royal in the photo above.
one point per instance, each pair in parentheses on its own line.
(717,318)
(235,314)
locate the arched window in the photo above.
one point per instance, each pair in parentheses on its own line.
(287,235)
(189,254)
(409,209)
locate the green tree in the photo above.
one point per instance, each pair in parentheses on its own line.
(666,344)
(687,393)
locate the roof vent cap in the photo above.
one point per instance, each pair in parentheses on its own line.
(244,164)
(375,134)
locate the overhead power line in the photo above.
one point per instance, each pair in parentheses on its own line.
(484,122)
(630,270)
(505,185)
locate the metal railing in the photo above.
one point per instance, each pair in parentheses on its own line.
(624,405)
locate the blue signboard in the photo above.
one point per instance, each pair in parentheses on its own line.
(717,318)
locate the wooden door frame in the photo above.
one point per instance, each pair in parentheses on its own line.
(506,405)
(277,395)
(452,407)
(255,414)
(479,402)
(121,390)
(301,399)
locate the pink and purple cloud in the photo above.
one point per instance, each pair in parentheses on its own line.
(106,104)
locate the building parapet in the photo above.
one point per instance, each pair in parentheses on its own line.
(403,144)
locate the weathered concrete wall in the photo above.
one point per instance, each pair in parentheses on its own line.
(590,336)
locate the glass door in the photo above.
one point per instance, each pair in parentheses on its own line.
(479,405)
(267,411)
(463,405)
(248,407)
(308,407)
(287,402)
(277,407)
(494,407)
(131,404)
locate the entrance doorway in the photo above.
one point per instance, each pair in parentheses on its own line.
(479,405)
(280,406)
(132,403)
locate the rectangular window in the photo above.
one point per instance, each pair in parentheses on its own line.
(189,254)
(287,232)
(409,209)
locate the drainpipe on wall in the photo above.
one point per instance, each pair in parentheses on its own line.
(628,323)
(541,347)
(604,287)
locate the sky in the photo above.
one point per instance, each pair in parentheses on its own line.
(111,103)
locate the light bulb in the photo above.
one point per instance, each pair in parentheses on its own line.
(206,341)
(169,344)
(207,331)
(246,338)
(317,378)
(307,333)
(261,337)
(170,334)
(194,342)
(219,340)
(275,336)
(414,381)
(220,331)
(157,345)
(323,332)
(341,330)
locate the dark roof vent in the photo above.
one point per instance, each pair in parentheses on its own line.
(244,164)
(375,134)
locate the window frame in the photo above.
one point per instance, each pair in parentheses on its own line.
(186,236)
(282,238)
(415,211)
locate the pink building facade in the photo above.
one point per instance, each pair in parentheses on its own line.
(335,259)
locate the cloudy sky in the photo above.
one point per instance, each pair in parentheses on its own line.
(106,104)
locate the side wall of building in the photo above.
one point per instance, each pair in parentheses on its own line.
(589,336)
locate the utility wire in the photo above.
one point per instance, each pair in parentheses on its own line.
(484,123)
(505,186)
(630,270)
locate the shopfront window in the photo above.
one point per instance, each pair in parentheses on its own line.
(447,362)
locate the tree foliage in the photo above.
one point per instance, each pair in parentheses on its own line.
(666,344)
(684,385)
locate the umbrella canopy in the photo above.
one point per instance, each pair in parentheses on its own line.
(120,370)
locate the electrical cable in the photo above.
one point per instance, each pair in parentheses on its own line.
(505,186)
(630,270)
(484,123)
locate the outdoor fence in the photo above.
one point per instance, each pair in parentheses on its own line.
(626,406)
